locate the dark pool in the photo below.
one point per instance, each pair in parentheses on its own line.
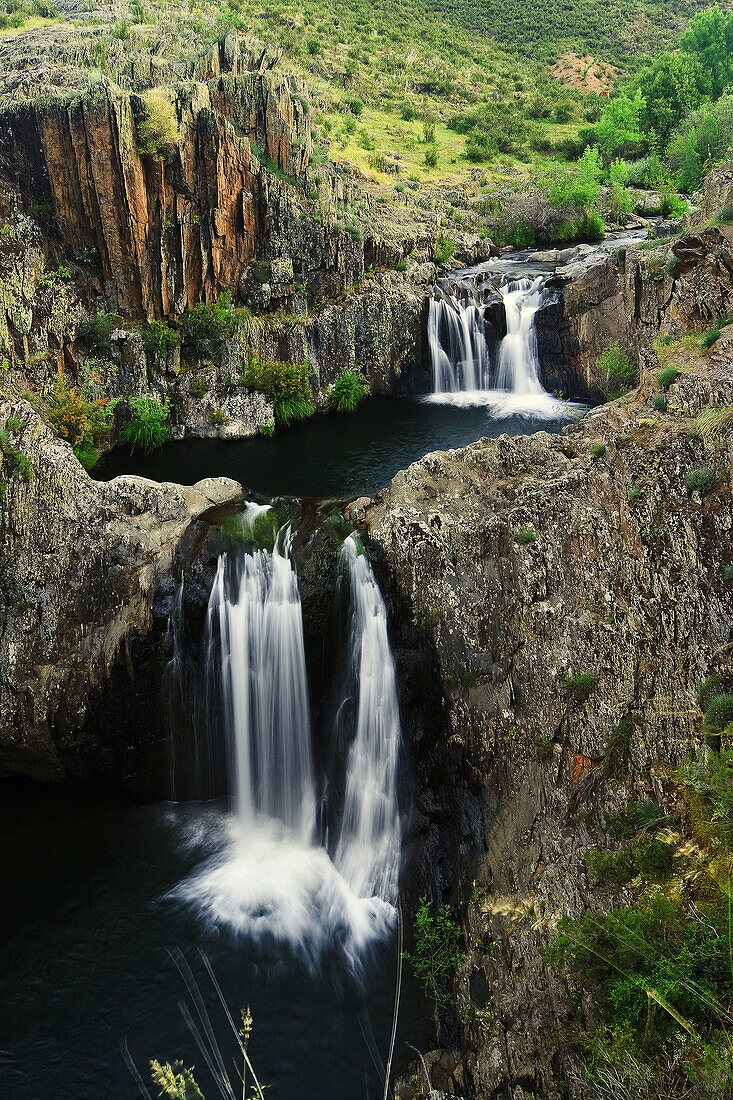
(334,456)
(85,926)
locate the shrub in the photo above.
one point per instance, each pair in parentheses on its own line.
(581,685)
(84,424)
(712,685)
(267,429)
(148,426)
(728,573)
(545,748)
(666,377)
(437,954)
(431,156)
(157,130)
(206,326)
(724,216)
(700,480)
(616,753)
(659,402)
(634,493)
(355,105)
(218,417)
(613,868)
(444,249)
(87,454)
(524,536)
(347,391)
(198,388)
(159,338)
(615,362)
(598,450)
(285,384)
(718,713)
(710,335)
(95,331)
(714,421)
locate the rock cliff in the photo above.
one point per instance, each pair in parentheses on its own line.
(80,562)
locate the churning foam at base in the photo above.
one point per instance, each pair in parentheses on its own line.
(261,881)
(503,405)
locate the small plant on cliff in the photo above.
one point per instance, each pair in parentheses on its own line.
(728,573)
(666,377)
(159,338)
(267,429)
(148,427)
(718,713)
(715,421)
(157,130)
(712,334)
(659,402)
(347,391)
(580,686)
(205,326)
(700,480)
(437,954)
(95,331)
(598,450)
(84,424)
(444,249)
(287,385)
(622,374)
(618,747)
(545,748)
(524,536)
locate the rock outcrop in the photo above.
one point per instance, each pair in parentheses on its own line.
(80,563)
(514,565)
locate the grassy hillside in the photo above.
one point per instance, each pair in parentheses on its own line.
(616,30)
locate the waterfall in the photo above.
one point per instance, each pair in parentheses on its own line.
(369,845)
(463,371)
(458,347)
(264,687)
(519,362)
(267,874)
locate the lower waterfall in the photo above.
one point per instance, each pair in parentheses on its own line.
(269,875)
(464,371)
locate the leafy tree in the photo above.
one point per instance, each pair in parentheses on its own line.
(618,129)
(671,85)
(709,38)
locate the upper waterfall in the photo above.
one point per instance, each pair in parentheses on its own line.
(475,361)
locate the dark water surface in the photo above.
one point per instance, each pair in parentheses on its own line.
(329,456)
(85,926)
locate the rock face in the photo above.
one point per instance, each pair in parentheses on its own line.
(80,562)
(514,565)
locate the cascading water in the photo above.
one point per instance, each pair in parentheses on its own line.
(275,880)
(369,845)
(458,337)
(519,363)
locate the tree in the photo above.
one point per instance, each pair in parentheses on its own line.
(618,131)
(709,38)
(437,954)
(671,86)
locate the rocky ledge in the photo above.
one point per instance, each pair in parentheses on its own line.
(80,562)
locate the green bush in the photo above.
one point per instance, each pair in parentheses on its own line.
(659,402)
(634,494)
(581,686)
(598,450)
(267,429)
(700,480)
(712,685)
(437,954)
(204,327)
(524,536)
(347,391)
(666,377)
(444,249)
(286,385)
(431,156)
(724,216)
(198,388)
(615,362)
(545,748)
(718,713)
(612,868)
(157,130)
(728,573)
(84,424)
(159,338)
(616,752)
(148,427)
(95,331)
